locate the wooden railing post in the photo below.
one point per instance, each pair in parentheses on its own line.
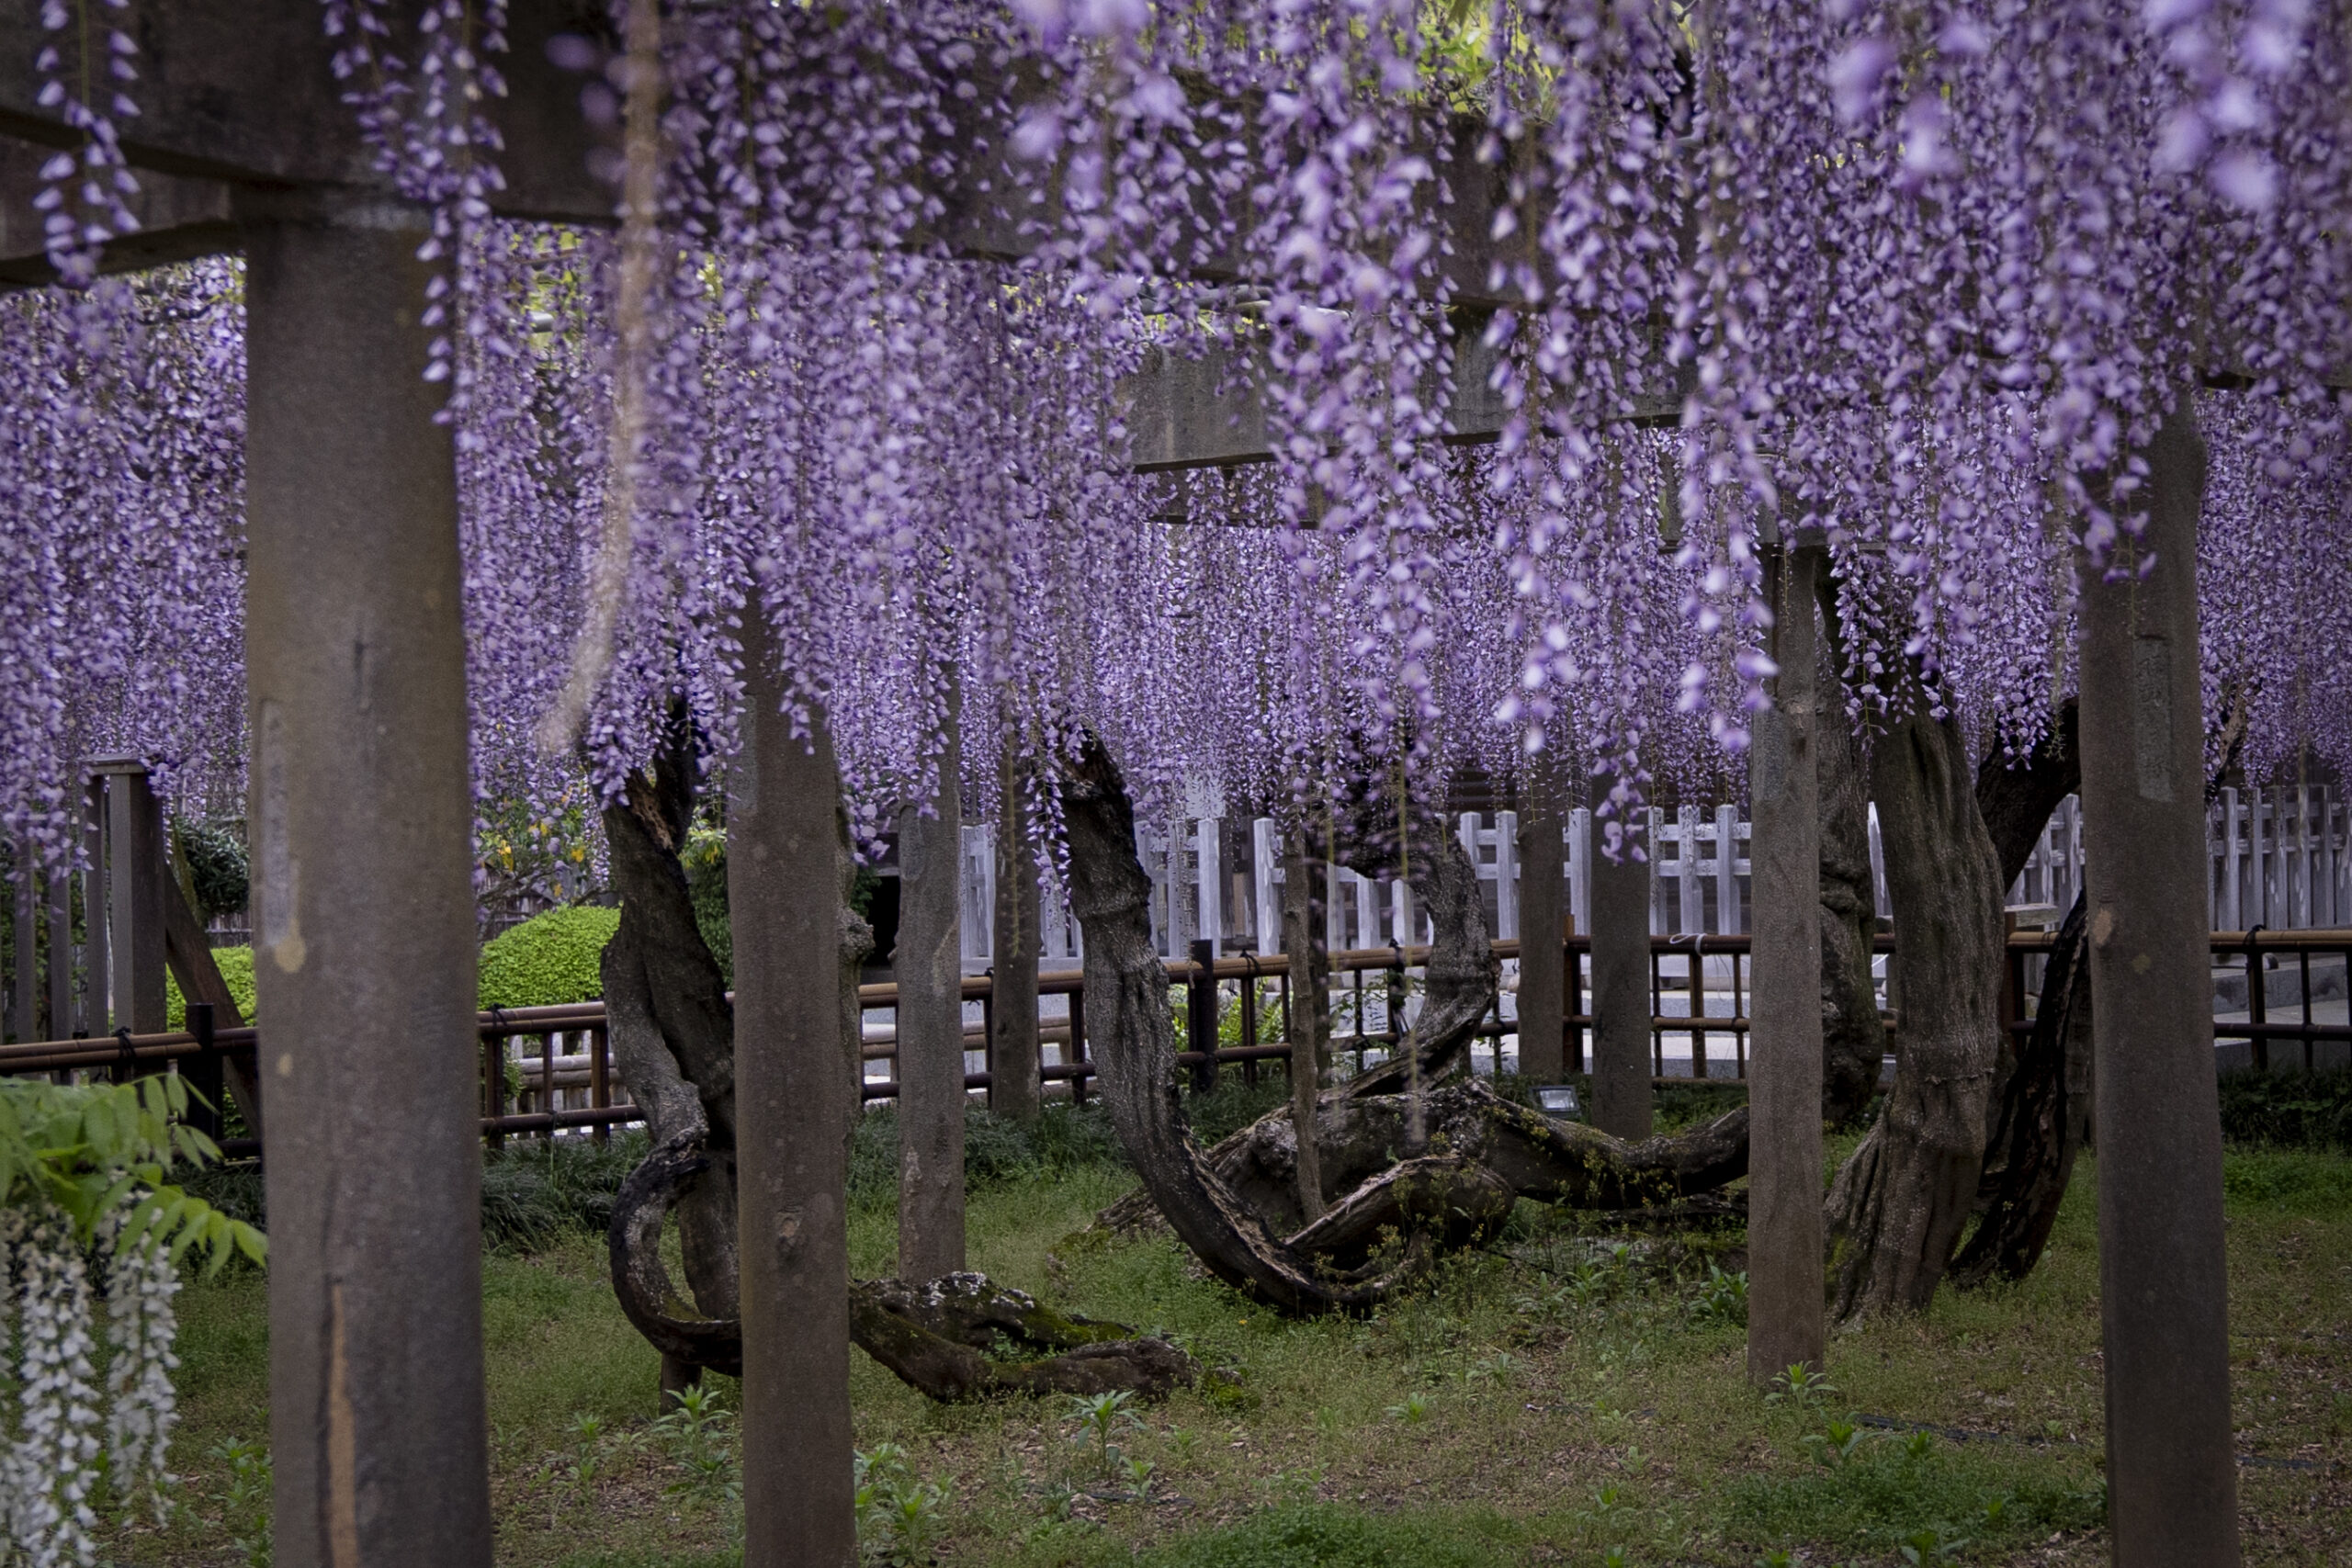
(1199,1014)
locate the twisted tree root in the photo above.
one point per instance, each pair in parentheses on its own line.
(935,1336)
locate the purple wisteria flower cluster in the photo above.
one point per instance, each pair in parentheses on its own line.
(1919,280)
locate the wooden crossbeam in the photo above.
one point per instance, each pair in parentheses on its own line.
(245,95)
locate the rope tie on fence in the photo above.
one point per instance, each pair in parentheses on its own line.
(129,1056)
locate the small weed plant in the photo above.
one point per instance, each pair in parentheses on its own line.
(1720,1298)
(696,1431)
(1097,1421)
(1801,1387)
(245,1507)
(900,1516)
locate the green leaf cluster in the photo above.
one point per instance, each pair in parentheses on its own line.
(85,1150)
(236,966)
(550,959)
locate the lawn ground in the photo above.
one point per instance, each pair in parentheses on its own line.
(1554,1400)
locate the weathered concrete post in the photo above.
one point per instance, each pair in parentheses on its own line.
(1309,963)
(1014,1086)
(1785,1296)
(796,1083)
(1543,920)
(362,819)
(137,865)
(2164,1299)
(929,968)
(1620,981)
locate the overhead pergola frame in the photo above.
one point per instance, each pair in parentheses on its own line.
(361,813)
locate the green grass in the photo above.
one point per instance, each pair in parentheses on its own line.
(1495,1416)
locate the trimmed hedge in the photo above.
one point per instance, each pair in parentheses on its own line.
(236,964)
(549,959)
(2293,1109)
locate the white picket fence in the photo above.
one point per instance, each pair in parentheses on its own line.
(2280,857)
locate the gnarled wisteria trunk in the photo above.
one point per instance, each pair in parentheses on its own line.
(1902,1198)
(2041,1115)
(1853,1036)
(1238,1206)
(671,1028)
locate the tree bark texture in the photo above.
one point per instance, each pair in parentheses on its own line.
(1620,977)
(2040,1113)
(1310,990)
(671,1026)
(2017,796)
(365,946)
(2039,1125)
(1785,1327)
(1127,1019)
(1014,1088)
(796,1069)
(2164,1299)
(1542,923)
(933,1335)
(1239,1208)
(1533,1155)
(929,964)
(1900,1202)
(1853,1036)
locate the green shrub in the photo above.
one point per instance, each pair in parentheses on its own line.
(705,857)
(2310,1110)
(214,853)
(549,959)
(236,965)
(531,1194)
(996,1149)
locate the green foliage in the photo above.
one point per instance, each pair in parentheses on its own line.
(1097,1421)
(535,1193)
(1412,1411)
(1721,1297)
(236,966)
(705,857)
(524,854)
(549,959)
(1316,1535)
(214,854)
(695,1430)
(899,1515)
(87,1148)
(1881,1497)
(2287,1109)
(1063,1139)
(2301,1181)
(1837,1444)
(245,1501)
(1800,1386)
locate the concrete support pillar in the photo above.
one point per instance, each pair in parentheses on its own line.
(1542,921)
(1621,979)
(1785,1293)
(1014,1086)
(137,866)
(362,818)
(929,968)
(2172,1480)
(796,1087)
